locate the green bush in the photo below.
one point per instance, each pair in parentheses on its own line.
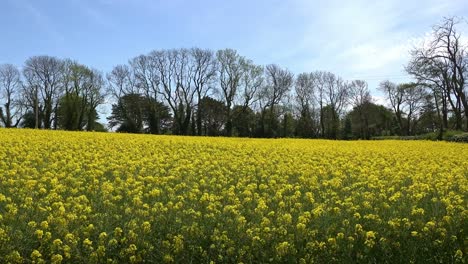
(450,134)
(428,136)
(385,137)
(459,138)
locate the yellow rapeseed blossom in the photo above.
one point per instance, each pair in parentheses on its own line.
(79,197)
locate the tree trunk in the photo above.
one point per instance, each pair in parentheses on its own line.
(199,122)
(186,121)
(36,110)
(444,111)
(262,123)
(285,125)
(465,106)
(228,121)
(193,125)
(335,121)
(458,119)
(400,123)
(322,124)
(8,121)
(271,133)
(408,124)
(361,123)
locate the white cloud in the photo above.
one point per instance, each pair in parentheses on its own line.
(366,39)
(380,99)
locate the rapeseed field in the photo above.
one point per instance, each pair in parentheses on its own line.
(76,197)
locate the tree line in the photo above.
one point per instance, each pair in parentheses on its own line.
(204,92)
(51,93)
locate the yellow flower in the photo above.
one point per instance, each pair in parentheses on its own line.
(282,249)
(168,259)
(44,224)
(370,235)
(178,243)
(146,226)
(87,243)
(39,233)
(56,258)
(340,236)
(14,257)
(102,236)
(110,197)
(36,254)
(358,228)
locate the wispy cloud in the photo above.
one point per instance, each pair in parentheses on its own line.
(366,38)
(41,22)
(92,11)
(359,38)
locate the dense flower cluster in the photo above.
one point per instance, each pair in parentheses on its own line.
(75,197)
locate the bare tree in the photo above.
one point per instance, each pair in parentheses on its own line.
(204,73)
(395,95)
(359,93)
(95,96)
(72,107)
(278,83)
(318,82)
(336,95)
(442,64)
(433,76)
(121,81)
(164,62)
(43,81)
(250,84)
(175,80)
(82,93)
(10,85)
(304,94)
(183,73)
(146,74)
(304,88)
(277,86)
(359,98)
(230,72)
(414,96)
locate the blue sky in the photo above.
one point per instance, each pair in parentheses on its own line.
(355,39)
